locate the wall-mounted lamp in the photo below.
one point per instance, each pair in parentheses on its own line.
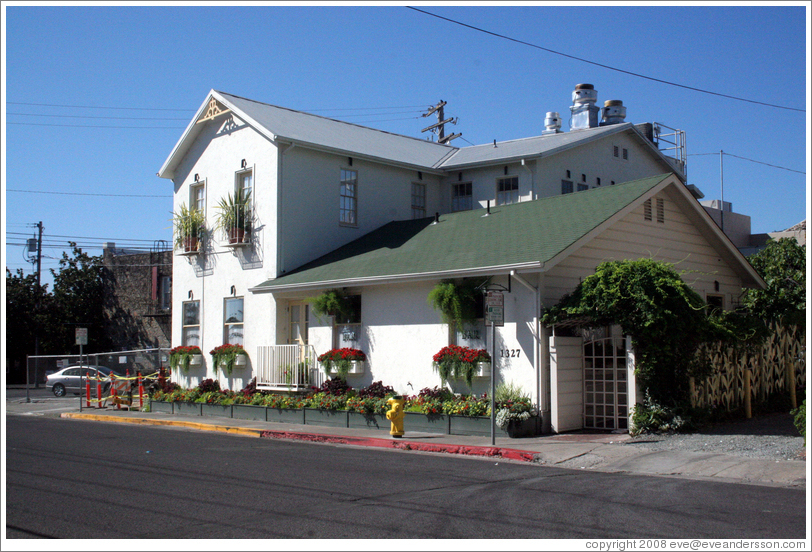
(233,291)
(197,177)
(191,295)
(716,285)
(505,170)
(419,175)
(243,164)
(349,160)
(460,177)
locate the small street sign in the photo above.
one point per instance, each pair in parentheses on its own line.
(495,308)
(81,336)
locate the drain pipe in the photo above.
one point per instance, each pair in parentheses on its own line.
(536,335)
(532,179)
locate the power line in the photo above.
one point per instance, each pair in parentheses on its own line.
(101,107)
(751,160)
(88,194)
(604,66)
(100,117)
(93,126)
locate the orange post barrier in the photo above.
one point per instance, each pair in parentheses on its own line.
(87,389)
(140,391)
(98,391)
(113,391)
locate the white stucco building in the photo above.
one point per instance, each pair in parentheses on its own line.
(384,218)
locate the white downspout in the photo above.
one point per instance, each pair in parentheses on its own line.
(532,180)
(536,335)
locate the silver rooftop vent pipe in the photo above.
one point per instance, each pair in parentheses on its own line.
(552,123)
(614,112)
(584,111)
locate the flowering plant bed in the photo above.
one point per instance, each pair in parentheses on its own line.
(227,356)
(340,361)
(459,362)
(184,356)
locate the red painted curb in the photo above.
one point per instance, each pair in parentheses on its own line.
(494,452)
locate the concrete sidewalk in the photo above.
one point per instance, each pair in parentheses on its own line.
(598,452)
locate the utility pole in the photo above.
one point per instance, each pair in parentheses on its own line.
(36,311)
(722,182)
(439,126)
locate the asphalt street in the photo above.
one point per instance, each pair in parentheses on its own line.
(78,479)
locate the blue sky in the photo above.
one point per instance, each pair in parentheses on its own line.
(159,62)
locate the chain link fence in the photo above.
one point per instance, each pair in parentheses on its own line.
(123,363)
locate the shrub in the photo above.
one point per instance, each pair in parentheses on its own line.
(208,385)
(335,386)
(376,390)
(800,419)
(654,417)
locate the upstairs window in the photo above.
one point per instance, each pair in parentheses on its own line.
(418,200)
(582,187)
(166,292)
(348,201)
(197,191)
(507,190)
(462,198)
(566,186)
(245,183)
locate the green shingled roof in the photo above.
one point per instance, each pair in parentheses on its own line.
(512,235)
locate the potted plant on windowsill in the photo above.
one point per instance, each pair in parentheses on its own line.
(228,356)
(184,357)
(341,362)
(190,226)
(462,362)
(235,218)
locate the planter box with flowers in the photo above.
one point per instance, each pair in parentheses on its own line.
(343,362)
(228,356)
(184,357)
(462,362)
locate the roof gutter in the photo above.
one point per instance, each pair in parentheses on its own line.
(379,280)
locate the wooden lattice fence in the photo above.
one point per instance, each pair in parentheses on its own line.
(771,366)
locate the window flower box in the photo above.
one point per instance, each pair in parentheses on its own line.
(343,362)
(228,356)
(184,357)
(454,361)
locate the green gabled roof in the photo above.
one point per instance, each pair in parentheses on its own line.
(525,234)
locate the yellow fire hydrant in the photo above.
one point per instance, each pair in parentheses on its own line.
(395,415)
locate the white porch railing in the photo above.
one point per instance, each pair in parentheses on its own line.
(287,368)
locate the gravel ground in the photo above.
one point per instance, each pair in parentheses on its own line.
(771,436)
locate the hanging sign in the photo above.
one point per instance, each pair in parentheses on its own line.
(81,336)
(495,308)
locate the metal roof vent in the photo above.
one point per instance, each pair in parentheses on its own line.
(552,123)
(584,111)
(614,112)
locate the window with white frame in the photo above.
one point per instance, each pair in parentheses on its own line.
(418,200)
(507,190)
(245,184)
(190,319)
(233,321)
(348,201)
(197,191)
(462,198)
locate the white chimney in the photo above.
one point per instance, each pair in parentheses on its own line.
(614,112)
(552,123)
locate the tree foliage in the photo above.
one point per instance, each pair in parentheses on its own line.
(782,265)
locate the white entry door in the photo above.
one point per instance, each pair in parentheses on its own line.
(298,323)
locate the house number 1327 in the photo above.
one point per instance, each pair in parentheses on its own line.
(508,353)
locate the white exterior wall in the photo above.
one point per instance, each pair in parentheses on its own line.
(216,157)
(309,225)
(542,177)
(400,333)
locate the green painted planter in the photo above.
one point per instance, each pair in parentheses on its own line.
(161,406)
(248,412)
(331,418)
(215,410)
(286,415)
(367,421)
(187,409)
(425,423)
(530,427)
